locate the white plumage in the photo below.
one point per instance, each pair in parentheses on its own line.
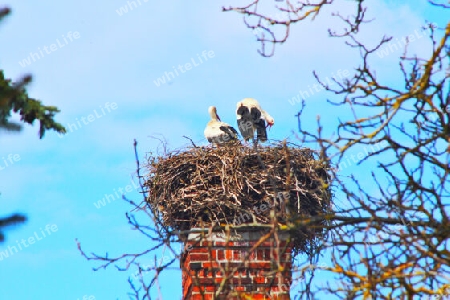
(251,117)
(218,132)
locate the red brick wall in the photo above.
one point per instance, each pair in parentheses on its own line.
(219,264)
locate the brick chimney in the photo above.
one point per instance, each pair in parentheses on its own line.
(245,263)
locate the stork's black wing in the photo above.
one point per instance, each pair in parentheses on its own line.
(255,114)
(245,123)
(243,111)
(261,131)
(230,131)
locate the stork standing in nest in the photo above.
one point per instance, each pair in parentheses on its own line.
(218,132)
(250,118)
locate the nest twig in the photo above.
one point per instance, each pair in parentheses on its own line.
(237,185)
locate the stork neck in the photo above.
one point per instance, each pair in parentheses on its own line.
(265,115)
(213,116)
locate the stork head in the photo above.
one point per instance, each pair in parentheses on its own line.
(270,121)
(213,113)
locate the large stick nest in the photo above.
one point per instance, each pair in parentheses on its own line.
(237,185)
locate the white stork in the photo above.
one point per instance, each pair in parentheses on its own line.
(218,132)
(250,118)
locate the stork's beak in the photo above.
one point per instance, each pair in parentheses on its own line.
(218,118)
(269,125)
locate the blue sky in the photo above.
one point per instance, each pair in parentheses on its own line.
(105,76)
